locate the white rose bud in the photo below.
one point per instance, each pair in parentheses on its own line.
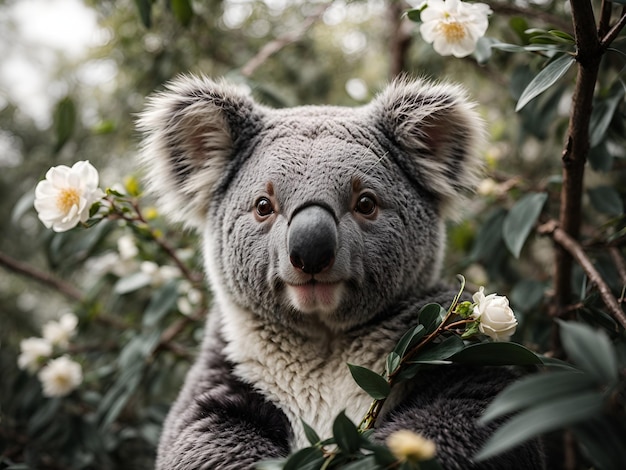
(408,446)
(496,319)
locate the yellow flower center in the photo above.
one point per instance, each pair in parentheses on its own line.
(452,30)
(68,198)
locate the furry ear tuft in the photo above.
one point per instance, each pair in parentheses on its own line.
(438,133)
(190,133)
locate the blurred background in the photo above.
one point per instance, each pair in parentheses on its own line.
(73,76)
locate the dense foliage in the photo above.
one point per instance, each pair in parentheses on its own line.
(547,228)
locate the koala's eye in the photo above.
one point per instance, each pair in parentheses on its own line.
(264,207)
(366,204)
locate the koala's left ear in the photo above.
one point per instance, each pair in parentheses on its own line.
(438,134)
(191,132)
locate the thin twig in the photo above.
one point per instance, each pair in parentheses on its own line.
(281,42)
(511,9)
(575,250)
(47,279)
(609,37)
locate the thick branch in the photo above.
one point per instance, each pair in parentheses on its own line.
(42,277)
(400,39)
(576,149)
(575,250)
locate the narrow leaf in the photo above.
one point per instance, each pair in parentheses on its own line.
(545,79)
(431,316)
(346,434)
(182,11)
(590,349)
(144,7)
(607,200)
(309,457)
(540,419)
(310,433)
(161,302)
(520,220)
(440,351)
(496,354)
(409,339)
(374,384)
(64,121)
(539,388)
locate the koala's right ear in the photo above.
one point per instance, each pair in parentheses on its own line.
(190,133)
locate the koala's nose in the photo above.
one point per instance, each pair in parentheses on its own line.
(312,239)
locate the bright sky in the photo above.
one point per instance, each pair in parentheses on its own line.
(35,35)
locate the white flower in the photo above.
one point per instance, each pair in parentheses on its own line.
(453,26)
(59,332)
(496,319)
(159,275)
(60,376)
(127,247)
(406,445)
(33,350)
(64,198)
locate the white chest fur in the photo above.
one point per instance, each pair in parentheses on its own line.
(307,378)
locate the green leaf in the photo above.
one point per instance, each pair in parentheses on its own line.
(496,354)
(144,8)
(309,458)
(602,114)
(520,220)
(161,302)
(367,463)
(545,79)
(590,349)
(482,53)
(606,199)
(310,433)
(527,294)
(132,283)
(431,316)
(182,11)
(434,352)
(602,439)
(538,388)
(346,434)
(600,158)
(489,237)
(544,417)
(374,384)
(392,362)
(408,340)
(24,204)
(64,121)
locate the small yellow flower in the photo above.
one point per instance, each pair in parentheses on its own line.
(407,445)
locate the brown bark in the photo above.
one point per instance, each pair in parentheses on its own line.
(589,53)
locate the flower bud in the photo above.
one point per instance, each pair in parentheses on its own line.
(407,445)
(496,319)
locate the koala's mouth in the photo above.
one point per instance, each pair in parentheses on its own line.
(315,296)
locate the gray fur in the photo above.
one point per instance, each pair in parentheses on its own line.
(276,343)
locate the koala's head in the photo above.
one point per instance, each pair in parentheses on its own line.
(316,213)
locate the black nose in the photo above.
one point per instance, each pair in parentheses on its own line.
(312,239)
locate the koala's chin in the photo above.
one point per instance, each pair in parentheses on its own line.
(315,297)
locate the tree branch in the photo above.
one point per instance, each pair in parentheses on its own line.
(47,279)
(280,42)
(400,38)
(574,249)
(609,37)
(510,9)
(589,53)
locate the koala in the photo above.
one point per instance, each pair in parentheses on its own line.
(323,236)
